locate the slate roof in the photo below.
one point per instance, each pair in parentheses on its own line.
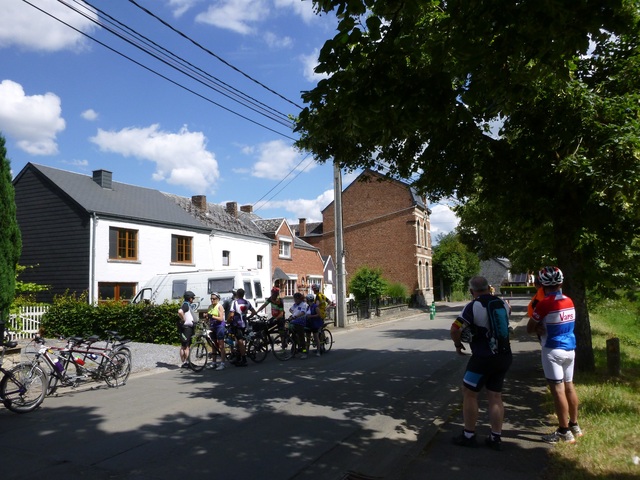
(216,217)
(269,227)
(313,229)
(121,200)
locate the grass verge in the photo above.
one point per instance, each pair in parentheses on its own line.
(609,406)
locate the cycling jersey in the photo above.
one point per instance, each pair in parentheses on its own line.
(321,301)
(558,315)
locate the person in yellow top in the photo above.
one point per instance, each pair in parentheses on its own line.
(218,327)
(321,300)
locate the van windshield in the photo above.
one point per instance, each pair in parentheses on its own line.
(220,285)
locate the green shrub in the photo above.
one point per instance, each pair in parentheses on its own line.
(72,315)
(396,290)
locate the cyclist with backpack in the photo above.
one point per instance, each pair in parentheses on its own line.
(487,317)
(238,318)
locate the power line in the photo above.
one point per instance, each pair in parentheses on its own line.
(135,43)
(213,54)
(286,185)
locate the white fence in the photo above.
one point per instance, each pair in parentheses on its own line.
(26,323)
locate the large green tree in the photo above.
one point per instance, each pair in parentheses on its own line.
(10,240)
(453,263)
(527,112)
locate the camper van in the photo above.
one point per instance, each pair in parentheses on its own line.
(171,287)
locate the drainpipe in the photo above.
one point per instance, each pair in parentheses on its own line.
(92,276)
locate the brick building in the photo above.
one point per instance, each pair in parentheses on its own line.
(296,264)
(386,225)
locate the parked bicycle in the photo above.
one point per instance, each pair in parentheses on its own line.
(204,349)
(78,362)
(23,387)
(288,347)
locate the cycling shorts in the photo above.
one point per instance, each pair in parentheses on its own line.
(186,333)
(238,332)
(487,372)
(558,364)
(218,331)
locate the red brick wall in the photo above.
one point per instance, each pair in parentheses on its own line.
(303,262)
(379,223)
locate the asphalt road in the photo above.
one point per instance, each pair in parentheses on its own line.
(359,408)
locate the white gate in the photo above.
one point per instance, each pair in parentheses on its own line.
(26,323)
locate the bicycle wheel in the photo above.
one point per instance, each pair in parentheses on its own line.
(23,388)
(199,354)
(326,339)
(257,349)
(283,346)
(122,363)
(115,369)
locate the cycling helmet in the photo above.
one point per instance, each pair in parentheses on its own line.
(315,287)
(311,297)
(275,291)
(550,276)
(189,294)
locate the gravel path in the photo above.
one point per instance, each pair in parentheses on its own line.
(147,356)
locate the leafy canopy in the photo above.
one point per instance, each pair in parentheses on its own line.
(527,112)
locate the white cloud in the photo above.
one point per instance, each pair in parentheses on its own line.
(181,158)
(23,26)
(443,220)
(276,159)
(309,63)
(89,114)
(32,121)
(311,209)
(236,15)
(180,7)
(300,8)
(274,41)
(77,163)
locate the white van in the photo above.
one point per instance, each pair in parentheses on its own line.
(171,287)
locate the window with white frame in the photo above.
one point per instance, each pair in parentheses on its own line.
(226,260)
(259,262)
(284,247)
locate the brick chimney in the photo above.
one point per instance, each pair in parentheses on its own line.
(103,178)
(232,209)
(246,208)
(200,202)
(302,227)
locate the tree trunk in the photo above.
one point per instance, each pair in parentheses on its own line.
(571,264)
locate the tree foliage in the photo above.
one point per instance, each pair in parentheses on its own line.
(10,239)
(527,112)
(367,283)
(453,263)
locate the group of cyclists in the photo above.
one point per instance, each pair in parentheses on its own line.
(307,318)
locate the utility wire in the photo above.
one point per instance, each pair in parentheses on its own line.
(158,73)
(212,54)
(218,82)
(170,64)
(281,180)
(286,185)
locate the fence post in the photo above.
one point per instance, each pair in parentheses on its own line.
(613,356)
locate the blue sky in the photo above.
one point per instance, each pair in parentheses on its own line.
(69,102)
